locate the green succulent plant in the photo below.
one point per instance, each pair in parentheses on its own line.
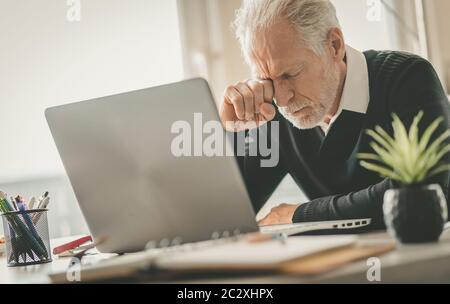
(406,158)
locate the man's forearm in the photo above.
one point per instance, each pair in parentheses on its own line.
(367,203)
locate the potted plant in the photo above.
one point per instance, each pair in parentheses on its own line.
(416,211)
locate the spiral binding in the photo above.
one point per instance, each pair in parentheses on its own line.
(174,245)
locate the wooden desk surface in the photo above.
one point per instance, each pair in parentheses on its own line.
(407,264)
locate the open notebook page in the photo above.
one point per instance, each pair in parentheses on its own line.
(261,255)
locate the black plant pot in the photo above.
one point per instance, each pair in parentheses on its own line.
(415,214)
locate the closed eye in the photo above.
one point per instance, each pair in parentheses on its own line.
(287,76)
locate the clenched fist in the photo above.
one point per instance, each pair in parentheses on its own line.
(248,105)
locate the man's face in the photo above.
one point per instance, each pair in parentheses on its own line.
(306,85)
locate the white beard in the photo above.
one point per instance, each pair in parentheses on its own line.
(320,107)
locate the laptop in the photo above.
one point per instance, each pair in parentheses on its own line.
(130,186)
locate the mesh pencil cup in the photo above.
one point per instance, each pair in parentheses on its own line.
(26,237)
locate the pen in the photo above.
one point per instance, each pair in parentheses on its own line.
(14,203)
(42,205)
(19,201)
(43,196)
(4,203)
(9,206)
(31,203)
(29,223)
(72,245)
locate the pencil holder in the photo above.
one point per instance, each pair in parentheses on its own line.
(26,237)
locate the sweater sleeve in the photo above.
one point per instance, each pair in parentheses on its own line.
(367,203)
(417,87)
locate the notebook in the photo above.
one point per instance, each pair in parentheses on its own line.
(244,255)
(229,255)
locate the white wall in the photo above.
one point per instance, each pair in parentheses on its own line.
(45,60)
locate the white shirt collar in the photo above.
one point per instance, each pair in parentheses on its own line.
(355,95)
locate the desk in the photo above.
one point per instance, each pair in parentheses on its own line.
(407,264)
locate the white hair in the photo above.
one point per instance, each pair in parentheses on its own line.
(312,18)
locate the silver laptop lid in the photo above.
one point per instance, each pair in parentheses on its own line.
(131,188)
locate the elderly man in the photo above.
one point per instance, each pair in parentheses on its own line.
(324,95)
